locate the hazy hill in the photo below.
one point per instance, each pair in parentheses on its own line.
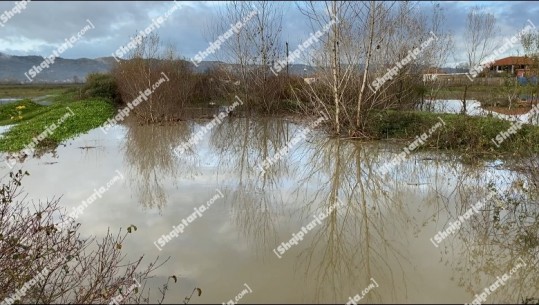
(13,68)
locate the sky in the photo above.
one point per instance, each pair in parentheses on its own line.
(43,26)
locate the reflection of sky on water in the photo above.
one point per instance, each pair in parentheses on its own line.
(474,108)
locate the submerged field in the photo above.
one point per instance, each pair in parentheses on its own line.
(469,134)
(68,117)
(386,211)
(381,230)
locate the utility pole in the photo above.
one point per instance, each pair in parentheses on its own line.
(287,75)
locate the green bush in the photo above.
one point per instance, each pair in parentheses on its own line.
(88,114)
(468,133)
(100,85)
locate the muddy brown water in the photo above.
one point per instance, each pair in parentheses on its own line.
(381,231)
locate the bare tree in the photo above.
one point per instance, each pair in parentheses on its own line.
(436,56)
(509,89)
(252,48)
(368,39)
(371,24)
(530,43)
(46,261)
(335,47)
(478,35)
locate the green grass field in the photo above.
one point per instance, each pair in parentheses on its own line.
(469,134)
(31,120)
(487,95)
(31,91)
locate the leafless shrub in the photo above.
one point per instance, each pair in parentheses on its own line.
(148,65)
(73,270)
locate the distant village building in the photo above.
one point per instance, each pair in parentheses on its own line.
(518,66)
(445,77)
(438,74)
(431,74)
(515,65)
(309,80)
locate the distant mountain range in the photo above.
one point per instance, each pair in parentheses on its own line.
(13,69)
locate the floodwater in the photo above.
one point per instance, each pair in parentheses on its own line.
(4,129)
(473,107)
(379,228)
(8,100)
(45,100)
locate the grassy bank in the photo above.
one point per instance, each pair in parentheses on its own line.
(491,95)
(32,120)
(34,90)
(476,92)
(463,133)
(14,113)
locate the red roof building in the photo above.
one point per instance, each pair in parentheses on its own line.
(516,65)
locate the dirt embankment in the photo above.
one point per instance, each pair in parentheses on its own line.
(517,109)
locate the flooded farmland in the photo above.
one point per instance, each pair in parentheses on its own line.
(358,225)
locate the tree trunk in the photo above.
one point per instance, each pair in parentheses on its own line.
(464,100)
(335,65)
(365,72)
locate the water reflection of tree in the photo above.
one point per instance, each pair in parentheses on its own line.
(148,152)
(357,241)
(490,244)
(241,145)
(365,238)
(494,244)
(244,143)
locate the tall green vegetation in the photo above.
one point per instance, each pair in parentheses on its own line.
(100,85)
